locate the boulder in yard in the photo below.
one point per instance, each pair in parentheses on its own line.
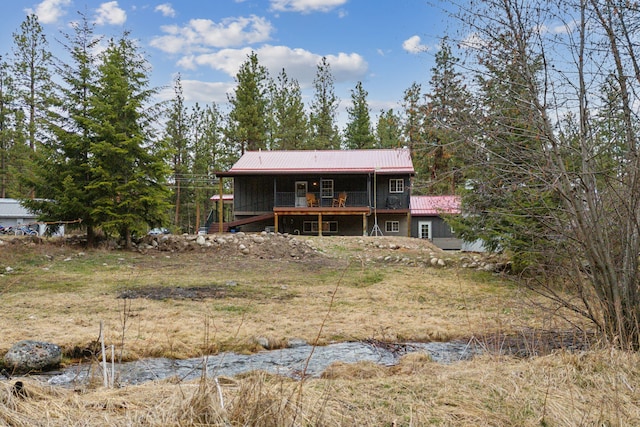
(28,355)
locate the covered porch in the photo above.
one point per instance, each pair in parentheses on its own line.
(319,220)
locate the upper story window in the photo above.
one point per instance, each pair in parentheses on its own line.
(326,188)
(396,185)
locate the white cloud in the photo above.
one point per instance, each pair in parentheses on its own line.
(166,9)
(414,45)
(305,6)
(201,92)
(49,11)
(299,64)
(201,34)
(110,13)
(564,28)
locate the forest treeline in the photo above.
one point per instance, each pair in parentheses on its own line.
(86,130)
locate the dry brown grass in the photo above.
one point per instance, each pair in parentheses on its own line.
(59,295)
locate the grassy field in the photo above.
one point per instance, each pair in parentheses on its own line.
(190,303)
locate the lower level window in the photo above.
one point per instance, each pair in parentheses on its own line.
(327,226)
(392,226)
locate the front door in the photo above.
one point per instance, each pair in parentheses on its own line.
(424,230)
(301,194)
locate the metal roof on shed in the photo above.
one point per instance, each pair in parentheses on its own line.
(383,161)
(434,205)
(11,208)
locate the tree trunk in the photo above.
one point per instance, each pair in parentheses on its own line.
(197,199)
(177,213)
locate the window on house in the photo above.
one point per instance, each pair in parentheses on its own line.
(396,185)
(326,188)
(392,226)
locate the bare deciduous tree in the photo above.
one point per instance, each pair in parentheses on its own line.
(558,142)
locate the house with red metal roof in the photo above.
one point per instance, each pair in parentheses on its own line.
(428,220)
(321,192)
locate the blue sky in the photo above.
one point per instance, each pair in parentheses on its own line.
(385,44)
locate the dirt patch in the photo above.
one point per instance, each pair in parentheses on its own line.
(160,293)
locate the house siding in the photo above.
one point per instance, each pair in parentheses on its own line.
(383,219)
(253,195)
(385,199)
(441,234)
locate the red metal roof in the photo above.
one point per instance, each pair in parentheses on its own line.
(435,205)
(225,197)
(383,161)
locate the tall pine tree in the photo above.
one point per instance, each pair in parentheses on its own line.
(290,127)
(413,133)
(358,133)
(31,68)
(129,172)
(62,169)
(389,130)
(32,76)
(177,139)
(209,154)
(447,106)
(247,125)
(11,139)
(324,132)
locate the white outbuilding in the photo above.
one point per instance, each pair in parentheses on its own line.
(13,214)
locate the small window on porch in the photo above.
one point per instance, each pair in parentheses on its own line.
(392,226)
(326,188)
(396,185)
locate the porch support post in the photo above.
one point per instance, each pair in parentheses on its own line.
(319,223)
(220,206)
(275,223)
(364,224)
(409,224)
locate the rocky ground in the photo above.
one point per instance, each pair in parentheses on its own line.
(379,249)
(264,245)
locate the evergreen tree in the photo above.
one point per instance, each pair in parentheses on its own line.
(413,133)
(389,130)
(290,123)
(32,73)
(209,156)
(324,132)
(247,125)
(129,173)
(62,169)
(504,196)
(9,135)
(447,106)
(177,139)
(358,133)
(609,127)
